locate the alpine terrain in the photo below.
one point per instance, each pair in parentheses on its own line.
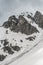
(18,35)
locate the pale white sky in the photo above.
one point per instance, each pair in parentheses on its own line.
(10,7)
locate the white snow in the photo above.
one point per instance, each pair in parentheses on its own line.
(2,33)
(34,57)
(26,44)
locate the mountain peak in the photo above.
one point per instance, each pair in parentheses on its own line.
(39,19)
(37,14)
(20,25)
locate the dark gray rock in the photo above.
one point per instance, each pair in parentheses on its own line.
(12,22)
(29,16)
(21,19)
(5,42)
(31,38)
(21,26)
(38,19)
(2,57)
(13,18)
(8,49)
(6,24)
(25,27)
(16,48)
(6,31)
(0,45)
(21,40)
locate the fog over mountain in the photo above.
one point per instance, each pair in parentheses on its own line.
(10,7)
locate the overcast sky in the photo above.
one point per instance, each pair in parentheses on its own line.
(14,4)
(9,7)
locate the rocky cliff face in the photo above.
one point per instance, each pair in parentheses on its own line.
(26,27)
(39,19)
(12,42)
(20,25)
(12,22)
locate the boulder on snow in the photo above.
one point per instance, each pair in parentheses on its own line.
(16,48)
(31,38)
(8,49)
(2,57)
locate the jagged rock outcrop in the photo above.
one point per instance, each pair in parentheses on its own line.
(29,16)
(39,19)
(13,18)
(24,27)
(2,57)
(20,25)
(12,22)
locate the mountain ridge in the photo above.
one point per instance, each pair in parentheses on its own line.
(18,34)
(20,24)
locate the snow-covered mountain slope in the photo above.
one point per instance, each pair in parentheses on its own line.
(17,37)
(34,57)
(17,43)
